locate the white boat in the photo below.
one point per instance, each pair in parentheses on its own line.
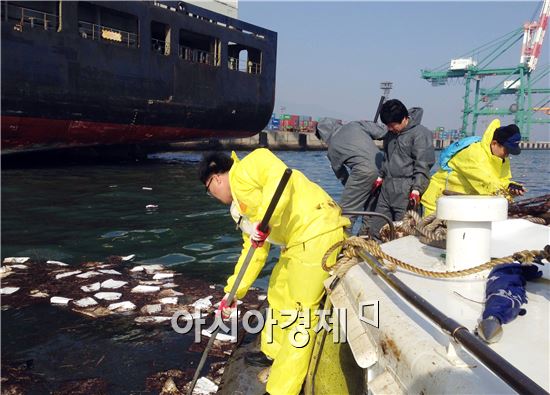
(421,338)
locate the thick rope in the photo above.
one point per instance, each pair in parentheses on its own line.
(535,220)
(431,228)
(352,247)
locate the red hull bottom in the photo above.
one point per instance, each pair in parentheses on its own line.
(20,134)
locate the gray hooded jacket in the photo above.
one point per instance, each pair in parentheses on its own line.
(408,157)
(350,145)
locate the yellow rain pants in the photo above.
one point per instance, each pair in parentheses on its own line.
(306,222)
(294,294)
(475,171)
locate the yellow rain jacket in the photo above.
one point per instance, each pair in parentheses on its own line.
(304,211)
(475,171)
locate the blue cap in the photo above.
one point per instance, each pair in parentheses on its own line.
(509,137)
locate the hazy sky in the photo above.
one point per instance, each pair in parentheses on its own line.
(332,56)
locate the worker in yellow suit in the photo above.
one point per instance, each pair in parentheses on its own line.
(481,168)
(305,223)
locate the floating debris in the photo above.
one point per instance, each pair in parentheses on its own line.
(147,188)
(60,300)
(110,271)
(95,312)
(5,271)
(150,282)
(122,306)
(203,304)
(35,293)
(88,274)
(85,302)
(12,259)
(152,319)
(145,289)
(108,295)
(169,292)
(169,300)
(162,276)
(151,309)
(150,269)
(21,267)
(113,284)
(169,388)
(83,297)
(8,290)
(128,257)
(67,274)
(152,206)
(91,288)
(57,263)
(192,316)
(205,386)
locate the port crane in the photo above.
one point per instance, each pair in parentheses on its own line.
(520,80)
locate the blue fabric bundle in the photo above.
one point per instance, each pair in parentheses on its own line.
(505,291)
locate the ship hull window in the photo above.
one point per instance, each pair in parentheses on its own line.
(107,25)
(199,48)
(35,15)
(244,58)
(160,38)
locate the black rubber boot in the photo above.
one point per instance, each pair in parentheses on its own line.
(257,358)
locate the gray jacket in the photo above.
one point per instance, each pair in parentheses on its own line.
(350,145)
(409,155)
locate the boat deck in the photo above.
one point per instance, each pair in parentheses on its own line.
(525,342)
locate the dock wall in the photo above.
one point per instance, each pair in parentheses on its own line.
(295,141)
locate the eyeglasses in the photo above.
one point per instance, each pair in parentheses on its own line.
(208,186)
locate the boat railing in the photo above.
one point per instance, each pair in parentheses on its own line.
(158,46)
(246,66)
(92,31)
(27,18)
(196,11)
(197,55)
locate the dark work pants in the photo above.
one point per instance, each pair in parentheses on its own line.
(356,192)
(392,204)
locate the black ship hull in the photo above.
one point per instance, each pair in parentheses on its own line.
(61,88)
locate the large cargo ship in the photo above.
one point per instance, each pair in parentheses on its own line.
(78,74)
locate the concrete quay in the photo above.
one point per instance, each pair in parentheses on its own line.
(295,141)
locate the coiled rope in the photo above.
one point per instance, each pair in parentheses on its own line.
(352,246)
(431,228)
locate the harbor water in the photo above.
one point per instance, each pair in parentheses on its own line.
(155,209)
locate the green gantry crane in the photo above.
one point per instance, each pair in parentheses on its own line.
(519,80)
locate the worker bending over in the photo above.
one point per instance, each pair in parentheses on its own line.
(476,166)
(305,223)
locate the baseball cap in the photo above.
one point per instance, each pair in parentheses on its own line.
(509,137)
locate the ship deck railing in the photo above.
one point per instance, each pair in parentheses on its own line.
(246,66)
(92,31)
(26,17)
(158,46)
(197,55)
